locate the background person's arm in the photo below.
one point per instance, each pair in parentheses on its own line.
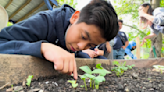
(108,47)
(147,37)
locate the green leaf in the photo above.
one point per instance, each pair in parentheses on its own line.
(99,66)
(82,86)
(73,82)
(90,76)
(74,85)
(83,77)
(116,63)
(86,69)
(98,79)
(29,80)
(102,72)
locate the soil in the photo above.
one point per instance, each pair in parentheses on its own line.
(134,80)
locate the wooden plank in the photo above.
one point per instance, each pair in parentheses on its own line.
(16,68)
(33,10)
(138,47)
(10,1)
(19,9)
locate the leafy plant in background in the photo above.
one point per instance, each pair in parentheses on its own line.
(94,80)
(159,67)
(120,68)
(69,2)
(73,82)
(29,80)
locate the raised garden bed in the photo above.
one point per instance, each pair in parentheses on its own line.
(134,80)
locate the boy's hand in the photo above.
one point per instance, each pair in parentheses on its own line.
(91,53)
(123,47)
(63,60)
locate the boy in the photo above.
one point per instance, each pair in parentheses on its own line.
(51,34)
(129,48)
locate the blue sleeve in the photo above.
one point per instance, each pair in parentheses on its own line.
(26,36)
(128,52)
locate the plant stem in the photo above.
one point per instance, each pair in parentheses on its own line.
(97,86)
(93,85)
(90,83)
(85,84)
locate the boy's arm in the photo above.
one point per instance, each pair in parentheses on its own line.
(26,36)
(62,59)
(147,37)
(128,51)
(108,47)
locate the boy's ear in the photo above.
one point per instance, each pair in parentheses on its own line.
(75,17)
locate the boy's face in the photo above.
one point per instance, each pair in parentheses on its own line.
(120,25)
(134,47)
(82,36)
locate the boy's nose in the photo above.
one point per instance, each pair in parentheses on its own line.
(82,46)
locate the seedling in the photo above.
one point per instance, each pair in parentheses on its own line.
(159,67)
(29,80)
(86,69)
(83,77)
(119,70)
(73,82)
(93,79)
(98,80)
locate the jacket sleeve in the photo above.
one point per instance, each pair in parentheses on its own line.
(128,52)
(159,16)
(26,36)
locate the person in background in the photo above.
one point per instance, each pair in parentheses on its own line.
(153,19)
(129,48)
(120,43)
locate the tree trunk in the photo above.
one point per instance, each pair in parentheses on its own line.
(156,41)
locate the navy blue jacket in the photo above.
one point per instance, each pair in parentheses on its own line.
(26,36)
(117,40)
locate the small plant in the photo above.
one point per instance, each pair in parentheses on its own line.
(119,70)
(98,80)
(29,80)
(73,82)
(94,79)
(159,67)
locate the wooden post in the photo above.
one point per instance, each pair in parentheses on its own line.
(138,47)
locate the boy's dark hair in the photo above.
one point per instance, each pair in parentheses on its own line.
(101,14)
(120,21)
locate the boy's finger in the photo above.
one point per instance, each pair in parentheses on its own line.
(65,67)
(70,67)
(58,65)
(74,70)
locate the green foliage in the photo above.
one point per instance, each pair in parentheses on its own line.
(86,69)
(126,8)
(73,82)
(9,23)
(120,68)
(162,3)
(94,79)
(29,80)
(69,2)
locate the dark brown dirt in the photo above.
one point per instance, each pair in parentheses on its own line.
(135,80)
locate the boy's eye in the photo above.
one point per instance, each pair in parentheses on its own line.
(83,37)
(90,45)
